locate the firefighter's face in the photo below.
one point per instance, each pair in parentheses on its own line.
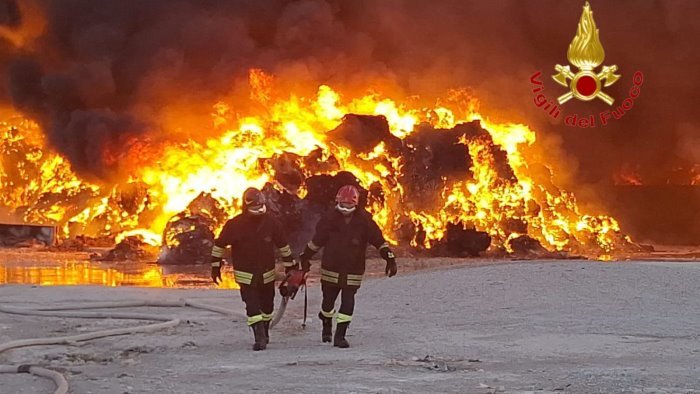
(345,208)
(258,209)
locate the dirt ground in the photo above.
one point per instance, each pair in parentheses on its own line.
(512,327)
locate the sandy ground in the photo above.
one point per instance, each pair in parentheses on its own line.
(569,326)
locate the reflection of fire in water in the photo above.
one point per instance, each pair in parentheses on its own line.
(81,272)
(499,185)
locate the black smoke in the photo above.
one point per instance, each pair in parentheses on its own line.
(107,78)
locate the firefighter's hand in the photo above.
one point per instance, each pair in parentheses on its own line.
(216,273)
(390,267)
(305,258)
(305,265)
(289,264)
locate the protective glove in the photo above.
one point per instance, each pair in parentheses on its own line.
(216,271)
(390,268)
(305,258)
(289,264)
(305,265)
(390,258)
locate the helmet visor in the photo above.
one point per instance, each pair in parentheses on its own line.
(258,209)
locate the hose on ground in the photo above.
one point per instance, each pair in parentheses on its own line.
(58,379)
(74,339)
(69,312)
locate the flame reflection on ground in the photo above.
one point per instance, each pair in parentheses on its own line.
(56,269)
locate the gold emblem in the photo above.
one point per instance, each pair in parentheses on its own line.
(586,52)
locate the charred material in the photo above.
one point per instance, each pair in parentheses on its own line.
(361,133)
(188,239)
(22,235)
(208,207)
(462,241)
(131,248)
(287,169)
(524,245)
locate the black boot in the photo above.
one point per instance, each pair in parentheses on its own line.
(339,339)
(327,333)
(260,338)
(266,324)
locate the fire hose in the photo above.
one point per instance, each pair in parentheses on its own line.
(69,312)
(58,379)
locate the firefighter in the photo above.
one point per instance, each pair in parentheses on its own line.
(344,233)
(253,236)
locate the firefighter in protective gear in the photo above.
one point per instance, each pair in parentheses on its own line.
(253,236)
(344,234)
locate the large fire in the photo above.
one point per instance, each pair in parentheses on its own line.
(38,185)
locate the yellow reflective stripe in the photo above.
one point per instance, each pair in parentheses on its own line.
(217,251)
(329,273)
(289,263)
(245,278)
(313,246)
(343,318)
(285,251)
(354,280)
(384,245)
(243,274)
(329,276)
(254,319)
(216,264)
(266,316)
(269,276)
(328,314)
(329,279)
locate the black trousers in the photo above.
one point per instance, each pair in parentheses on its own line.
(347,300)
(259,301)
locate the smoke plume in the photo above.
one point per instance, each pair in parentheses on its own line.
(110,80)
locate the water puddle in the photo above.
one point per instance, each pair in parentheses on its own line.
(19,266)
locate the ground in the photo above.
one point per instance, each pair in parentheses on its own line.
(513,327)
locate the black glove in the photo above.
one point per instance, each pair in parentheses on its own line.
(390,268)
(216,274)
(305,258)
(289,264)
(305,265)
(390,258)
(216,270)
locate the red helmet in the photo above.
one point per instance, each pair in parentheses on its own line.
(348,194)
(347,199)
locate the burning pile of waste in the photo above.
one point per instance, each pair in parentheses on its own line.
(444,180)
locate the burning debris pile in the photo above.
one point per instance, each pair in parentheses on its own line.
(189,236)
(129,249)
(440,179)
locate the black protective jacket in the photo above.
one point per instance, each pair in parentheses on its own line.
(345,244)
(253,240)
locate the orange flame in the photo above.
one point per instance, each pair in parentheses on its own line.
(226,165)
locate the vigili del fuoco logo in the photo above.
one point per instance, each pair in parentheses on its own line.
(584,82)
